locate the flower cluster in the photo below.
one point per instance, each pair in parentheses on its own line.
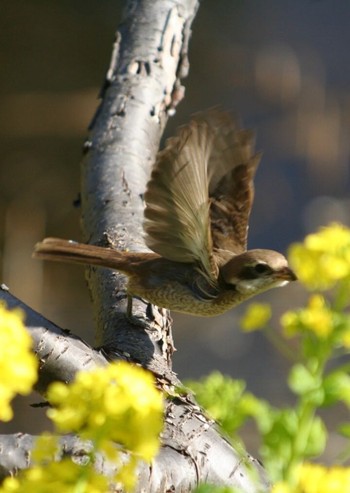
(18,366)
(316,318)
(119,403)
(116,408)
(324,257)
(256,316)
(320,320)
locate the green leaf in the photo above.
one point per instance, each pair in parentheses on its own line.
(316,439)
(302,382)
(283,428)
(226,401)
(337,388)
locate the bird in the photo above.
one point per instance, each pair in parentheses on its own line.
(197,206)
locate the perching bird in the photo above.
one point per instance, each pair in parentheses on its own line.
(198,202)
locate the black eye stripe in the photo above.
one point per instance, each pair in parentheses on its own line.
(254,271)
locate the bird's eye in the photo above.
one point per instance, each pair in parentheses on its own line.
(261,268)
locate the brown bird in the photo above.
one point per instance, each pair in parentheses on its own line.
(198,202)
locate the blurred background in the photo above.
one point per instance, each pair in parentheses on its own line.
(282,65)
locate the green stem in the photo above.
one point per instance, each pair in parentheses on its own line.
(306,411)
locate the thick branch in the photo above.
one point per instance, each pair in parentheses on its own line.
(142,86)
(170,471)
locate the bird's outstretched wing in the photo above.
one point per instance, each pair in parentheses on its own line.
(190,188)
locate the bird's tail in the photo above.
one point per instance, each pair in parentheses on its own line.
(79,253)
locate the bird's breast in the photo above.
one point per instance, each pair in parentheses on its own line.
(184,297)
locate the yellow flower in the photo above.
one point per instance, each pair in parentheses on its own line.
(256,316)
(57,476)
(18,365)
(46,448)
(316,318)
(314,478)
(333,238)
(118,402)
(323,258)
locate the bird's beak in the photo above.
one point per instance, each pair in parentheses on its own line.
(286,274)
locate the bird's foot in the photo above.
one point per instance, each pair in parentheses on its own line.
(137,320)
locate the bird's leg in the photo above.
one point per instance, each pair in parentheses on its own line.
(134,319)
(129,307)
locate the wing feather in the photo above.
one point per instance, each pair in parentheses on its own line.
(200,192)
(177,200)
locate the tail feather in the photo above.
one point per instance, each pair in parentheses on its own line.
(79,253)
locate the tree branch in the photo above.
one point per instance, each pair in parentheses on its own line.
(142,87)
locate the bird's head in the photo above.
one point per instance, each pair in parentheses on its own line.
(255,271)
